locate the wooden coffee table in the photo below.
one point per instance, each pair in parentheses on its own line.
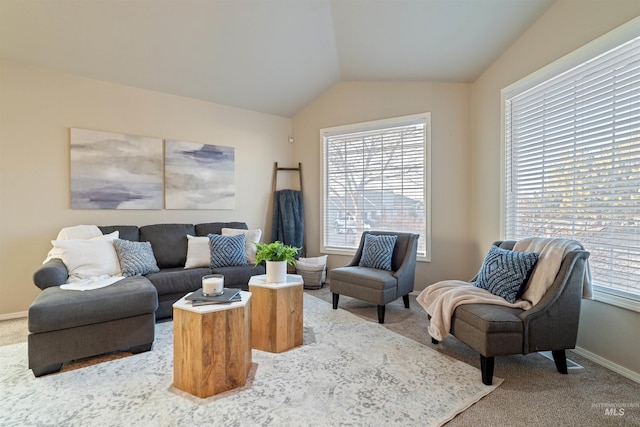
(276,313)
(211,346)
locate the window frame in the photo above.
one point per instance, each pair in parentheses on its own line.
(605,43)
(368,126)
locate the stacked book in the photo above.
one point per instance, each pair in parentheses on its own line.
(228,296)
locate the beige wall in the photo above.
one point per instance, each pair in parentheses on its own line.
(37,108)
(354,102)
(606,331)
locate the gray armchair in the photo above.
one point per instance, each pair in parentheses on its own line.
(551,324)
(375,285)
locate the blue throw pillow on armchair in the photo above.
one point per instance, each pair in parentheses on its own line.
(377,251)
(505,273)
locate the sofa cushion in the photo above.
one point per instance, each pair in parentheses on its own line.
(238,276)
(169,242)
(177,280)
(377,251)
(227,251)
(55,308)
(126,232)
(505,273)
(136,258)
(207,228)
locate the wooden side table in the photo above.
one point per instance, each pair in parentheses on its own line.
(211,346)
(276,313)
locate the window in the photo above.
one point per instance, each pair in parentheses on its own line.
(375,176)
(572,164)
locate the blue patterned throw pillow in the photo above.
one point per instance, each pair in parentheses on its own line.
(227,251)
(377,251)
(136,258)
(505,273)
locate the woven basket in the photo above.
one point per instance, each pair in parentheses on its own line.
(313,276)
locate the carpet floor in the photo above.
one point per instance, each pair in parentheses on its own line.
(348,372)
(533,393)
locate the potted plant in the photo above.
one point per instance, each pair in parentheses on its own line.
(276,256)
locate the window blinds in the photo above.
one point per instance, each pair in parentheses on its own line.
(374,178)
(572,166)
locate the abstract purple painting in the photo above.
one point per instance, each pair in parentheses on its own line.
(199,176)
(115,171)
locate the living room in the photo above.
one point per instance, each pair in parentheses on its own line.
(39,105)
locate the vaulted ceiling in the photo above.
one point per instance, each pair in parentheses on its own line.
(272,56)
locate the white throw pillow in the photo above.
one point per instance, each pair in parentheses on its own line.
(55,253)
(88,258)
(198,252)
(251,237)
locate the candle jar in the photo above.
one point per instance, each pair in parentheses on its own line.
(212,285)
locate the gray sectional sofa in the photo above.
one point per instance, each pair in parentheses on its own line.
(67,325)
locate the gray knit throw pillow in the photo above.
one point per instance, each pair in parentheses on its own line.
(136,258)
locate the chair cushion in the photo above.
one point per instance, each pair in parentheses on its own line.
(505,273)
(364,276)
(377,251)
(490,318)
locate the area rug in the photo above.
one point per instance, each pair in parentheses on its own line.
(348,372)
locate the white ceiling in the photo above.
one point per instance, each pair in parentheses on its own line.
(273,56)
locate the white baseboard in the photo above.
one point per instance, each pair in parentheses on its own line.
(635,376)
(11,316)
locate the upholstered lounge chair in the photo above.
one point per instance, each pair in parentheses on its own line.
(551,324)
(374,285)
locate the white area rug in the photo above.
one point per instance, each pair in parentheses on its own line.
(348,372)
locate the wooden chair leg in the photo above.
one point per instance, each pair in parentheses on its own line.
(381,314)
(335,301)
(560,358)
(405,298)
(486,366)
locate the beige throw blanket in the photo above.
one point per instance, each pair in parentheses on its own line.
(441,299)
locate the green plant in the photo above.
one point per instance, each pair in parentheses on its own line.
(276,251)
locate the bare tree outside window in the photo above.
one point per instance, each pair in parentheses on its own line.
(375,179)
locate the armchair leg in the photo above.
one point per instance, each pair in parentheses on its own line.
(434,341)
(560,358)
(486,366)
(405,298)
(381,314)
(335,301)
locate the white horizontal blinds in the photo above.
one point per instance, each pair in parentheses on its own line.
(573,163)
(374,178)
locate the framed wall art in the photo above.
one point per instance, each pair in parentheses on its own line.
(199,176)
(115,171)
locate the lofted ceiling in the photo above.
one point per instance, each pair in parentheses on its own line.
(272,56)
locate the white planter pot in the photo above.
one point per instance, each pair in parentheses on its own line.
(276,271)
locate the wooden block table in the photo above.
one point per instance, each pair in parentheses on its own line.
(276,313)
(211,346)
